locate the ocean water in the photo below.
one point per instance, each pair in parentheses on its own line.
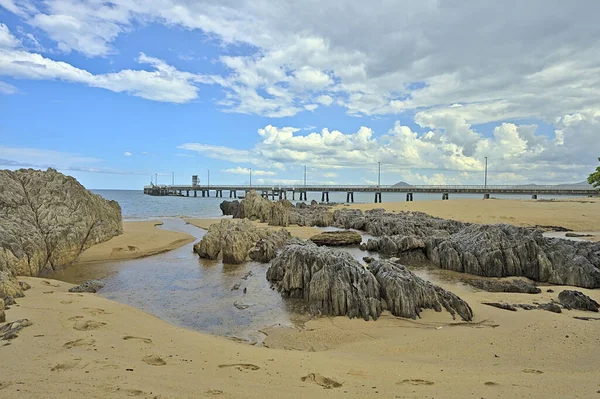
(136,205)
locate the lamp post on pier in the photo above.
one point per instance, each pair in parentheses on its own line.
(378,174)
(485,179)
(250,177)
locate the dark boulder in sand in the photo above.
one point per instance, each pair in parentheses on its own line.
(89,286)
(337,238)
(570,299)
(333,283)
(515,285)
(230,208)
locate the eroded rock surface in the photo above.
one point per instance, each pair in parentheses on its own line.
(89,286)
(46,220)
(266,248)
(570,299)
(333,283)
(520,286)
(337,238)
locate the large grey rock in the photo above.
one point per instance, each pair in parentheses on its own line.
(46,220)
(520,286)
(333,283)
(230,208)
(92,286)
(577,300)
(266,248)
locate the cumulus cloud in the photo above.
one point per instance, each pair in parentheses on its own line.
(5,88)
(7,39)
(127,154)
(246,171)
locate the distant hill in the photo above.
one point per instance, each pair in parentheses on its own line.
(402,184)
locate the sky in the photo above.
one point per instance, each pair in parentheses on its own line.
(116,93)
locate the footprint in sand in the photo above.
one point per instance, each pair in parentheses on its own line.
(241,366)
(326,383)
(79,342)
(490,383)
(213,392)
(48,283)
(48,292)
(144,340)
(68,365)
(532,371)
(85,325)
(129,248)
(153,360)
(75,318)
(67,302)
(96,311)
(417,382)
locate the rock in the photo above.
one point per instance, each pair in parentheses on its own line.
(234,238)
(301,205)
(240,306)
(2,315)
(362,246)
(549,290)
(9,301)
(587,318)
(570,299)
(10,330)
(89,286)
(368,259)
(24,286)
(235,287)
(504,306)
(333,283)
(314,204)
(406,295)
(337,238)
(520,286)
(266,248)
(47,220)
(574,235)
(525,306)
(230,207)
(551,307)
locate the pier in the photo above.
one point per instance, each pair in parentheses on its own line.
(293,191)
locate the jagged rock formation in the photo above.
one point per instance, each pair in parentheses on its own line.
(503,306)
(406,295)
(519,286)
(46,220)
(486,250)
(9,331)
(334,283)
(266,248)
(570,299)
(238,239)
(337,238)
(2,315)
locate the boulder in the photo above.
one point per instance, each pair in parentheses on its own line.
(9,331)
(266,248)
(334,283)
(89,286)
(550,307)
(570,299)
(230,208)
(520,286)
(47,220)
(233,238)
(337,238)
(2,315)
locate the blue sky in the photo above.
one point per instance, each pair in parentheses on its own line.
(113,93)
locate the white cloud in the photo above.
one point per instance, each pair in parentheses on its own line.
(127,154)
(7,39)
(246,171)
(5,88)
(330,174)
(311,107)
(325,100)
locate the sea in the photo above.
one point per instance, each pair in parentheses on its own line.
(234,301)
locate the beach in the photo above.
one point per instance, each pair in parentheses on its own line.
(86,345)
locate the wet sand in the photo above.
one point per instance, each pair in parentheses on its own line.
(83,345)
(575,214)
(139,239)
(295,230)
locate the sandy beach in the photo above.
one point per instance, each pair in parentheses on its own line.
(139,239)
(581,214)
(84,345)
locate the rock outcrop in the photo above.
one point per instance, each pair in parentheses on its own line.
(334,283)
(570,299)
(92,286)
(337,238)
(230,208)
(266,248)
(2,315)
(520,286)
(486,250)
(46,220)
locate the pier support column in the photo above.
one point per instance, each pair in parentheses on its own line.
(325,196)
(378,197)
(445,196)
(534,196)
(232,193)
(187,193)
(195,193)
(303,196)
(409,196)
(350,196)
(293,195)
(203,193)
(486,196)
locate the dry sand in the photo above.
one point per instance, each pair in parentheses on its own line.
(139,239)
(575,214)
(295,230)
(83,345)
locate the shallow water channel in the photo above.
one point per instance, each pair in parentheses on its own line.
(200,294)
